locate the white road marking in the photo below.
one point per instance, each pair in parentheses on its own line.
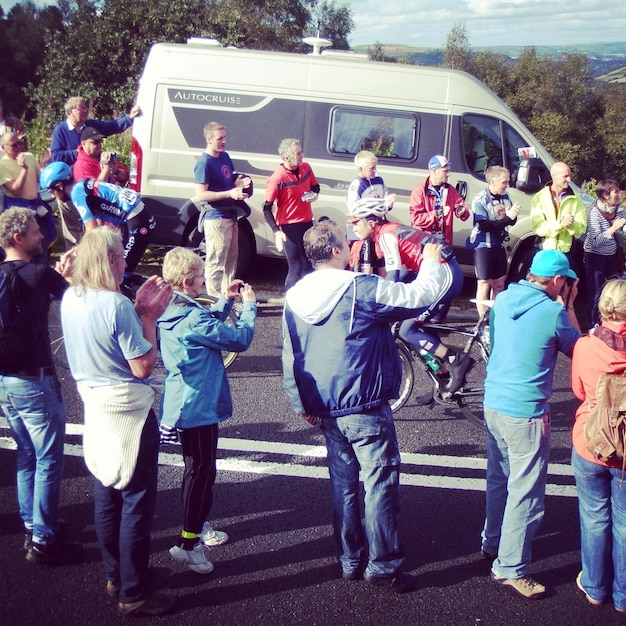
(301,470)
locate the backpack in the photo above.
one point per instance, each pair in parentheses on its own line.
(605,431)
(16,335)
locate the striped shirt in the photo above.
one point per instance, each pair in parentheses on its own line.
(599,240)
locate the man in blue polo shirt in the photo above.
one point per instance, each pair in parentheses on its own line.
(218,189)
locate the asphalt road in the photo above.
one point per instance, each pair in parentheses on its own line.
(272,497)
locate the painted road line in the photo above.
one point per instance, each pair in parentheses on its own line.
(300,470)
(319,452)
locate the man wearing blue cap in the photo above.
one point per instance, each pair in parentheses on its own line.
(434,202)
(531,322)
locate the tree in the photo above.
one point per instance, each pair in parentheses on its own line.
(331,21)
(457,52)
(556,99)
(494,70)
(612,129)
(100,49)
(24,33)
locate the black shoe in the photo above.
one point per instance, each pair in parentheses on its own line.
(152,606)
(56,552)
(426,399)
(398,583)
(28,534)
(458,368)
(356,574)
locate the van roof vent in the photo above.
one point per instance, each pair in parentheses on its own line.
(346,54)
(318,43)
(200,41)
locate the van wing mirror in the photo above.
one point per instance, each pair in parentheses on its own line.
(532,175)
(461,187)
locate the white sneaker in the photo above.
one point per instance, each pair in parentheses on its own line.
(195,559)
(210,537)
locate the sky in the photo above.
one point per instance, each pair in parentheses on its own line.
(489,23)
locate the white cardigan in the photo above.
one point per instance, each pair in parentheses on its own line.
(114,419)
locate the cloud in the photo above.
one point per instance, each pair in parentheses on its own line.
(488,22)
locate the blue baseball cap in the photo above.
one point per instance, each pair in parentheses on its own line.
(437,162)
(551,263)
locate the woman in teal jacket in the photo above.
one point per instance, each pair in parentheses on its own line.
(196,396)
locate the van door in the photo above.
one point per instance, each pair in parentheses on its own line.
(487,140)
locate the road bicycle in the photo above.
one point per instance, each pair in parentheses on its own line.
(129,288)
(429,385)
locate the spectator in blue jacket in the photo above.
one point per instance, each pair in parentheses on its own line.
(66,134)
(196,396)
(64,147)
(341,368)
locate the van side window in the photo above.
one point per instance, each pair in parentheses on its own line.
(488,141)
(384,134)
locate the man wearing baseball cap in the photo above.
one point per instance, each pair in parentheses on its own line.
(92,162)
(531,322)
(434,202)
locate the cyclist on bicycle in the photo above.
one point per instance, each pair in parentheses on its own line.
(397,253)
(100,203)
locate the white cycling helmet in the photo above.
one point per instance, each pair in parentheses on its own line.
(369,207)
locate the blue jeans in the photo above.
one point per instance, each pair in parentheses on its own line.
(36,413)
(365,442)
(124,519)
(602,510)
(518,449)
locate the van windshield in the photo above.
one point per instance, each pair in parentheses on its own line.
(384,134)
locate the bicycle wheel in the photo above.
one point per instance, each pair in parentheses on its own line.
(406,383)
(207,301)
(55,332)
(470,397)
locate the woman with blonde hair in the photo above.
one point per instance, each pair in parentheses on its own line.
(196,397)
(601,494)
(111,347)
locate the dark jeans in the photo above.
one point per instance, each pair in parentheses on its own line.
(298,264)
(199,452)
(124,520)
(598,269)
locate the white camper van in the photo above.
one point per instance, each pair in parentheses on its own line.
(336,104)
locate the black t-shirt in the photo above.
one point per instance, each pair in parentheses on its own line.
(38,283)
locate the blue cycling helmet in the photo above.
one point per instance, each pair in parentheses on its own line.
(54,173)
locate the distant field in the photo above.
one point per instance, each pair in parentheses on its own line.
(616,76)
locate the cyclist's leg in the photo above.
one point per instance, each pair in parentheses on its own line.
(140,230)
(490,265)
(412,332)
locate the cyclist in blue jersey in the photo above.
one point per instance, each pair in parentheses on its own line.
(100,203)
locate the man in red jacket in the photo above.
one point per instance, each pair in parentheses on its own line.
(434,202)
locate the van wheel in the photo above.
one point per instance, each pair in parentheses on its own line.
(247,249)
(520,266)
